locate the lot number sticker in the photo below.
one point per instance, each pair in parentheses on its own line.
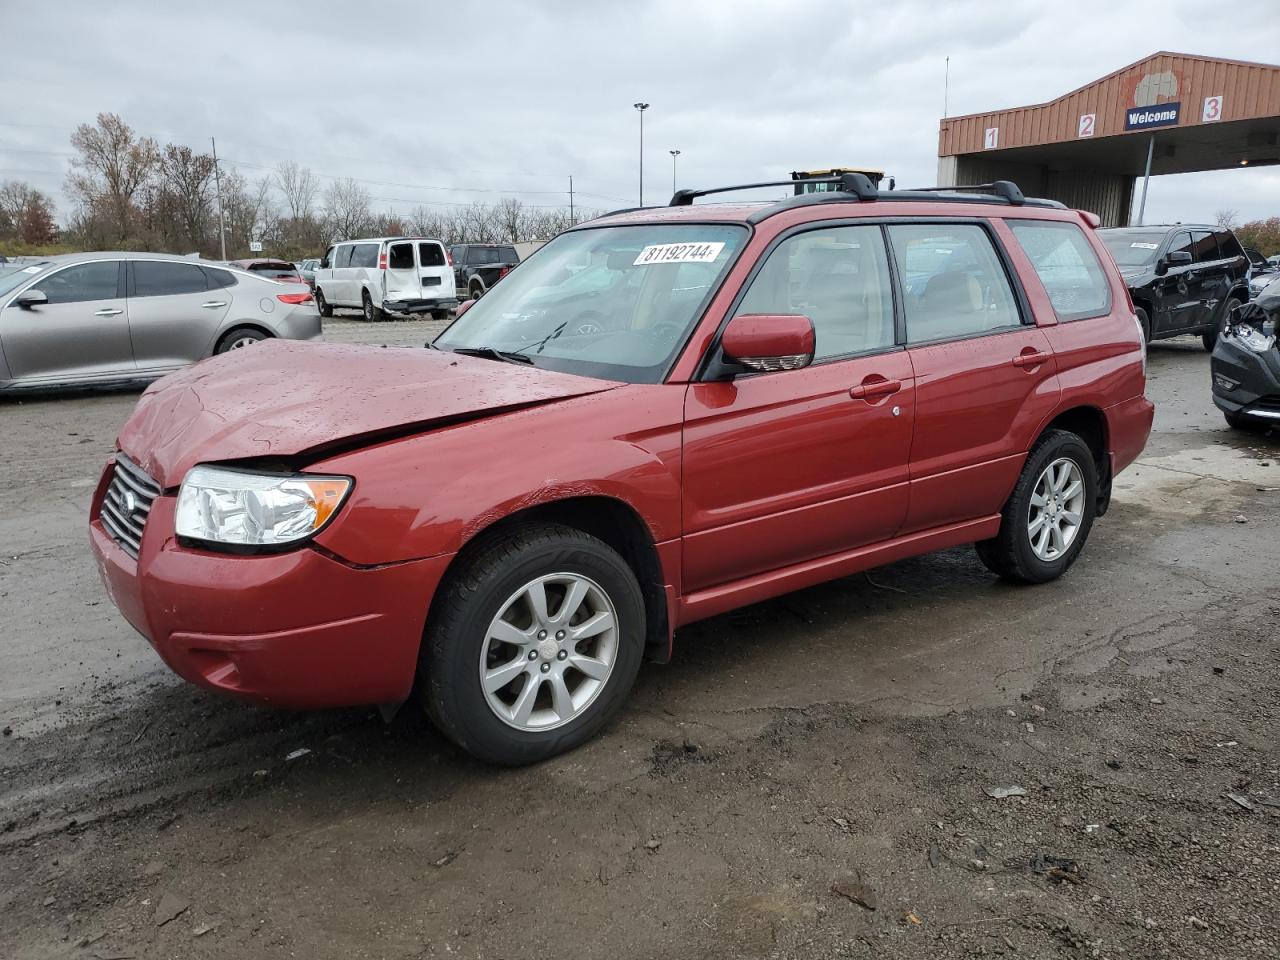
(678,253)
(1139,245)
(1212,110)
(992,138)
(1087,121)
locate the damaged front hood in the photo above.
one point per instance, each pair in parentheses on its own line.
(283,398)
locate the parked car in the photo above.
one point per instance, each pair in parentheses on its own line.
(1274,260)
(307,268)
(1245,366)
(1184,278)
(272,269)
(478,266)
(386,275)
(103,318)
(514,518)
(1257,262)
(1259,281)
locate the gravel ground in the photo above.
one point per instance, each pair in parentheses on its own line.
(809,778)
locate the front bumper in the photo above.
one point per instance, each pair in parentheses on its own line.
(1246,383)
(422,305)
(300,629)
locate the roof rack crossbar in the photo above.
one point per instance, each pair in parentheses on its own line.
(1006,190)
(856,184)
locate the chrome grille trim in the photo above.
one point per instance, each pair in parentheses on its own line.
(124,525)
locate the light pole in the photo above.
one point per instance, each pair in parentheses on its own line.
(674,154)
(642,107)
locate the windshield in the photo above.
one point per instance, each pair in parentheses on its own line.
(1132,248)
(15,275)
(611,302)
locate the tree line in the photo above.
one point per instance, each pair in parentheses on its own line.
(131,192)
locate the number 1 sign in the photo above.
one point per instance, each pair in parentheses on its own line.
(992,138)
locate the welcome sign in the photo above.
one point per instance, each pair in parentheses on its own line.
(1158,115)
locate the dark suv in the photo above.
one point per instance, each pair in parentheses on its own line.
(1184,278)
(478,266)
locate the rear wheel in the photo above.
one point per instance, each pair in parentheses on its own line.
(238,339)
(532,644)
(1047,519)
(371,313)
(322,304)
(477,291)
(439,314)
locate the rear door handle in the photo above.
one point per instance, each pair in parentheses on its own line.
(1032,359)
(870,387)
(107,312)
(213,304)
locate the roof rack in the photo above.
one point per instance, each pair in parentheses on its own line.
(1007,190)
(856,185)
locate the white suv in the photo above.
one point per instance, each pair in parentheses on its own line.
(386,275)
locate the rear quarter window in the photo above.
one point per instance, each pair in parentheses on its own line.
(365,255)
(1067,266)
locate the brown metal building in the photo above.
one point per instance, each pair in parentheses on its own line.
(1185,113)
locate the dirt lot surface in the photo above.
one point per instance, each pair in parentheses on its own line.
(809,778)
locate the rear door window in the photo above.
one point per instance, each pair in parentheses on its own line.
(84,282)
(400,256)
(952,280)
(343,257)
(1230,247)
(154,278)
(1067,266)
(1204,247)
(431,254)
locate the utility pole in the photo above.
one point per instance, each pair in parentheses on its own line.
(572,221)
(642,107)
(217,182)
(946,89)
(674,154)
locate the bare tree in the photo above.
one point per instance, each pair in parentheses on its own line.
(249,213)
(298,185)
(1227,219)
(185,196)
(111,166)
(348,209)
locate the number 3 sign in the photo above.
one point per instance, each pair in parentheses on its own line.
(1212,109)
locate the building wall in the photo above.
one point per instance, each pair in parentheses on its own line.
(1109,196)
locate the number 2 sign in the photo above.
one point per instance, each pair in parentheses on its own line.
(992,138)
(1212,109)
(1087,121)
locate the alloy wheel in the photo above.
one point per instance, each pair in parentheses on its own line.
(548,653)
(1057,509)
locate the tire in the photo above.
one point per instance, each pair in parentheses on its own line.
(1210,337)
(1011,554)
(492,584)
(239,338)
(1235,421)
(1144,321)
(477,291)
(372,314)
(439,314)
(322,304)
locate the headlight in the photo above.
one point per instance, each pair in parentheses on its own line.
(1253,338)
(247,509)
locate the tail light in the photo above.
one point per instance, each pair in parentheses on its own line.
(382,261)
(503,272)
(448,257)
(294,298)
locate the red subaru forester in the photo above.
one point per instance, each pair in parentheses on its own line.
(662,415)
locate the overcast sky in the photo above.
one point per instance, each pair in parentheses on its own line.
(433,103)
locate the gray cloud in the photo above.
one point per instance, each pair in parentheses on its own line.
(435,103)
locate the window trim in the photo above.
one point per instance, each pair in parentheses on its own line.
(1026,317)
(1071,318)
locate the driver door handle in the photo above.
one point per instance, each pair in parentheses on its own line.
(1031,359)
(107,312)
(874,388)
(213,304)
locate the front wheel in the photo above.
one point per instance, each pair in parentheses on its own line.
(1210,337)
(1144,322)
(532,644)
(326,310)
(1047,518)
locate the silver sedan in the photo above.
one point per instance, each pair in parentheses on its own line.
(105,318)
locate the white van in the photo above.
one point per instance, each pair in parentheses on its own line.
(386,275)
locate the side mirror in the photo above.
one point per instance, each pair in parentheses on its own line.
(1174,258)
(768,342)
(32,298)
(463,307)
(324,264)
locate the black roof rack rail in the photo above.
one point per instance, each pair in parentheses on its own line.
(856,185)
(1007,190)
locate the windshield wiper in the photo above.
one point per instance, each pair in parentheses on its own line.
(493,353)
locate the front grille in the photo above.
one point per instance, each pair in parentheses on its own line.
(127,504)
